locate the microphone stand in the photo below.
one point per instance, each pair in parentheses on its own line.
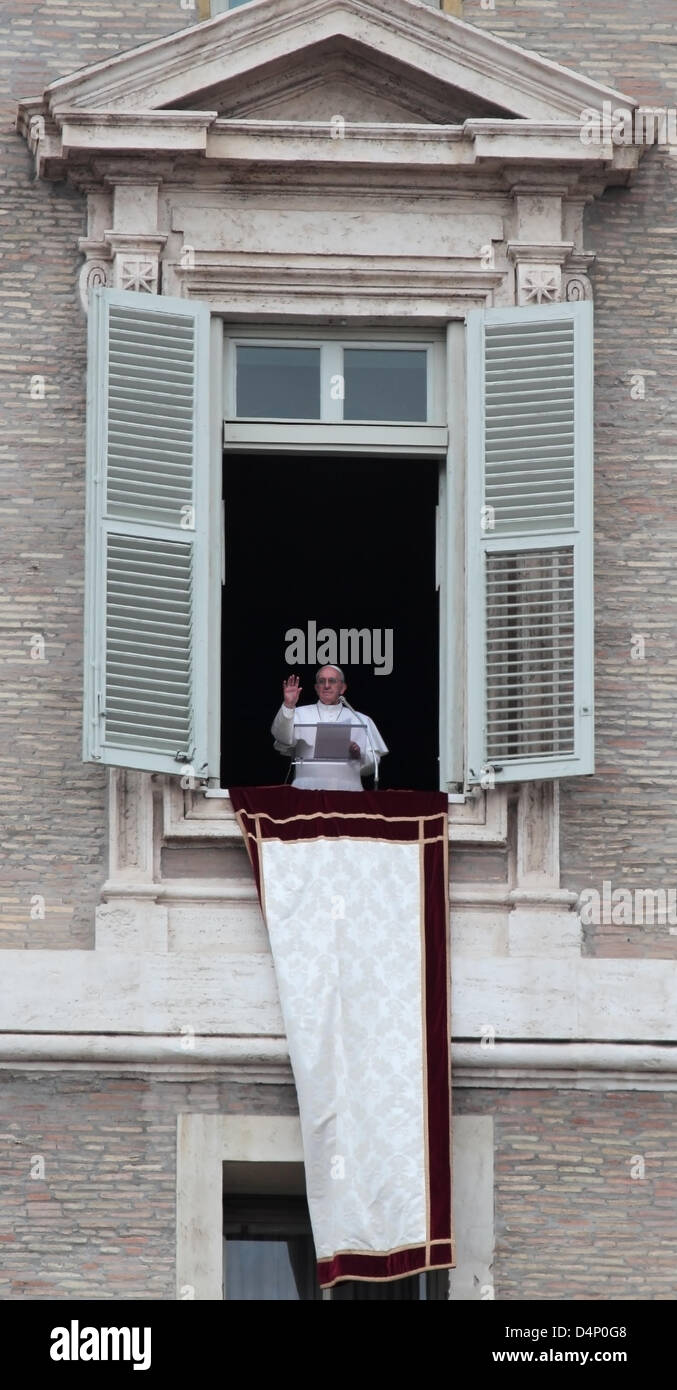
(360,720)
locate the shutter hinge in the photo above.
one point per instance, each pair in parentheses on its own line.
(100,711)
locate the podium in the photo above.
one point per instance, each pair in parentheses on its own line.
(322,757)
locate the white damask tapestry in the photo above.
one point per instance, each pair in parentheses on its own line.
(356,906)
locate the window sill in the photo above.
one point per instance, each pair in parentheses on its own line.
(222,794)
(478,818)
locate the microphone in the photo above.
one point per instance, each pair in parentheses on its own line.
(347,705)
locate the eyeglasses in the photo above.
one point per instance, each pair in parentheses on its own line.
(330,680)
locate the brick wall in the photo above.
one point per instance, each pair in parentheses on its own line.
(571,1220)
(52,814)
(621,825)
(102,1222)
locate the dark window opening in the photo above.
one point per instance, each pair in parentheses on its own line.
(269,1254)
(344,544)
(270,1257)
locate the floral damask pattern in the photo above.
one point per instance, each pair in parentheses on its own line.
(345,933)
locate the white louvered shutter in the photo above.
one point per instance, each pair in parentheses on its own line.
(147,533)
(529,548)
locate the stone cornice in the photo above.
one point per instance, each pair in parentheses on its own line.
(197,890)
(157,132)
(557,252)
(531,1065)
(91,145)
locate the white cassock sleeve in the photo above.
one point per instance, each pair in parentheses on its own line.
(282,729)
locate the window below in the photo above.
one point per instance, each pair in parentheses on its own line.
(269,1256)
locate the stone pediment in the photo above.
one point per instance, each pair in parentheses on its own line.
(344,78)
(398,43)
(262,85)
(337,78)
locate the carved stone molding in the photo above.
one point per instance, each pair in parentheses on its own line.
(140,273)
(93,275)
(539,270)
(130,819)
(97,270)
(576,284)
(577,287)
(121,261)
(136,260)
(538,284)
(537,849)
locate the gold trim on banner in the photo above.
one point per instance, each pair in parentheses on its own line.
(385,1278)
(354,839)
(451,1096)
(382,1254)
(262,877)
(342,815)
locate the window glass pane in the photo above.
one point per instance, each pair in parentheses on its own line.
(279,383)
(385,384)
(269,1251)
(273,1271)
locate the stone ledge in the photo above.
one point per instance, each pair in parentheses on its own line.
(576,1065)
(190,994)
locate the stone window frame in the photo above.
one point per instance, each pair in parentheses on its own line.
(206,1141)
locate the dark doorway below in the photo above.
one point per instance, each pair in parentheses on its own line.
(343,543)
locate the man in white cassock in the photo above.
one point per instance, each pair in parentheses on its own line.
(288,733)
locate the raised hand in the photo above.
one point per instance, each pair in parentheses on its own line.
(291,691)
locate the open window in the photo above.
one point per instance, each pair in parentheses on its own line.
(333,450)
(342,523)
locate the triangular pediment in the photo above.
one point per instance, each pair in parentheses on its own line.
(343,78)
(369,60)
